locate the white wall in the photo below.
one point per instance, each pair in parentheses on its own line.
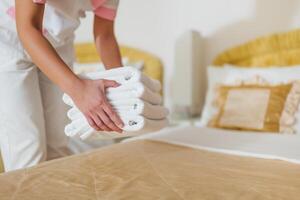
(154,25)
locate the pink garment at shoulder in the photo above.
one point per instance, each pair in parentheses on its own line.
(106,9)
(11,11)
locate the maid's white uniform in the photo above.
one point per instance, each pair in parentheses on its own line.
(32,114)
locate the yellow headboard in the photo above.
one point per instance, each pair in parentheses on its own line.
(86,53)
(281,49)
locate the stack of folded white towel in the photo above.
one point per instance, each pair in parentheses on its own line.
(136,100)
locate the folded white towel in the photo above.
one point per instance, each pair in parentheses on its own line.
(133,125)
(126,91)
(139,107)
(134,90)
(125,75)
(130,107)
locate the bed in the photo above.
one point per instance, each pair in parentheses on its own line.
(182,162)
(154,170)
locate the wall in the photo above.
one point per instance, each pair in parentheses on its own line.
(155,25)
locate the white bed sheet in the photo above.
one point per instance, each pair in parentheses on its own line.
(260,145)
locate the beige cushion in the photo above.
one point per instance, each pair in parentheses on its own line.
(240,109)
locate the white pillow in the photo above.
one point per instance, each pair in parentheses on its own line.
(230,74)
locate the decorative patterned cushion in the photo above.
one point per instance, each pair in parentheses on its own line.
(257,107)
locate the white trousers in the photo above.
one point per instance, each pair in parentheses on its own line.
(32,114)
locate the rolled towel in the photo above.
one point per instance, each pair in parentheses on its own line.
(126,91)
(125,75)
(74,113)
(130,107)
(134,90)
(139,107)
(133,125)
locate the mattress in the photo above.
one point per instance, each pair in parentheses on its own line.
(153,170)
(284,147)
